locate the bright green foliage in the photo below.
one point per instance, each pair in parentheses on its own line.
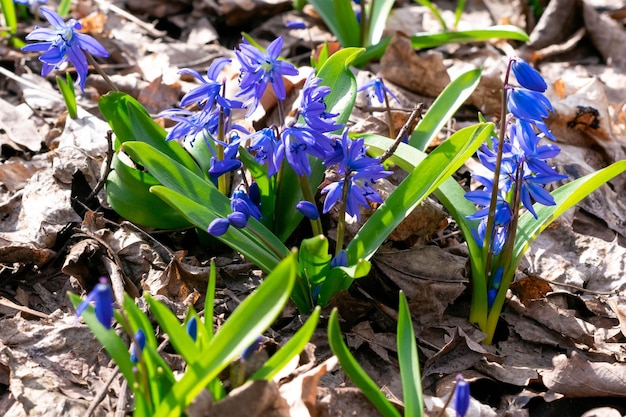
(69,95)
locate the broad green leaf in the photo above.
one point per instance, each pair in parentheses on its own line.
(430,40)
(421,182)
(380,14)
(354,371)
(443,108)
(131,122)
(409,363)
(253,316)
(128,193)
(287,352)
(113,344)
(343,25)
(565,197)
(314,258)
(242,240)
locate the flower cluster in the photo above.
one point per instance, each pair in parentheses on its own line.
(519,161)
(243,205)
(63,43)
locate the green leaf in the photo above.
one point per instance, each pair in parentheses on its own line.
(443,108)
(354,371)
(10,16)
(423,180)
(433,9)
(64,8)
(430,40)
(409,363)
(209,300)
(128,193)
(340,19)
(286,353)
(68,93)
(253,316)
(113,344)
(565,197)
(371,52)
(458,11)
(380,14)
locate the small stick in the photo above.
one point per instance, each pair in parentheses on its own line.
(416,114)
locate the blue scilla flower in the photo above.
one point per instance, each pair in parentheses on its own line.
(242,209)
(209,92)
(192,328)
(260,68)
(528,105)
(190,123)
(63,44)
(308,210)
(361,171)
(298,142)
(375,87)
(340,260)
(263,144)
(527,76)
(461,396)
(102,297)
(246,355)
(295,24)
(139,343)
(313,109)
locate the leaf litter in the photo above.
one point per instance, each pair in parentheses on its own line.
(563,331)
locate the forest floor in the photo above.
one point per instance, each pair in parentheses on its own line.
(560,347)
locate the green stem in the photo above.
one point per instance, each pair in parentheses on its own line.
(100,71)
(341,220)
(316,225)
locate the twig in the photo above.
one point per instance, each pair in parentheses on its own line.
(572,286)
(145,26)
(107,171)
(416,114)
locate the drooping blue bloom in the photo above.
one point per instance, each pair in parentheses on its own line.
(313,108)
(192,328)
(190,124)
(298,142)
(527,76)
(63,44)
(242,209)
(263,145)
(361,171)
(308,210)
(209,92)
(528,105)
(138,345)
(376,88)
(260,68)
(461,396)
(102,297)
(218,227)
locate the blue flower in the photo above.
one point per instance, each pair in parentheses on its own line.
(192,328)
(340,260)
(138,346)
(308,210)
(528,105)
(263,145)
(218,227)
(190,124)
(63,44)
(209,93)
(361,171)
(461,396)
(313,109)
(249,351)
(242,209)
(293,24)
(377,88)
(102,297)
(258,69)
(527,76)
(298,142)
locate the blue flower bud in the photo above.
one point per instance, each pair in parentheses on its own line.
(192,328)
(218,227)
(102,297)
(308,210)
(461,396)
(340,260)
(293,24)
(238,219)
(491,297)
(138,345)
(249,351)
(528,77)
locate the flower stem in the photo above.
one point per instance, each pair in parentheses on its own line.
(341,220)
(100,71)
(392,130)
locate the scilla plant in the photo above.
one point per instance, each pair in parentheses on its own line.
(514,205)
(176,185)
(157,392)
